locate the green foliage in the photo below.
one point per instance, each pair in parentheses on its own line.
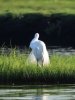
(14,68)
(37,6)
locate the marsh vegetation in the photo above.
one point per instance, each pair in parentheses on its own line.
(37,6)
(15,69)
(55,21)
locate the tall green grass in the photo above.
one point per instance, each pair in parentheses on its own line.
(15,69)
(37,6)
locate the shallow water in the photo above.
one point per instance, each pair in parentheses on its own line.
(51,50)
(38,92)
(61,51)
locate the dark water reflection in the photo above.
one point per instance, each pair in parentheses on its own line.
(38,92)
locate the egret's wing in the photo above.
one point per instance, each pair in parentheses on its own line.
(31,58)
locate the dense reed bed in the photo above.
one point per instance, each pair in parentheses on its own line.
(15,69)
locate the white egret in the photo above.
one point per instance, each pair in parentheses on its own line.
(39,52)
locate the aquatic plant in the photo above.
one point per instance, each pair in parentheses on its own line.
(15,69)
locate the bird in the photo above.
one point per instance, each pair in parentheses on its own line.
(39,51)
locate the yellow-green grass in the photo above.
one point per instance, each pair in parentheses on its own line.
(37,6)
(15,69)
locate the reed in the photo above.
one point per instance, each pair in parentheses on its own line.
(15,69)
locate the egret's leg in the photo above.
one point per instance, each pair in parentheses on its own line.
(37,62)
(42,61)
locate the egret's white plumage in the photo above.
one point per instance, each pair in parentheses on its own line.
(39,52)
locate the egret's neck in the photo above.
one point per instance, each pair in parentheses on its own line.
(35,39)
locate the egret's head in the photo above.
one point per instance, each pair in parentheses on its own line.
(36,35)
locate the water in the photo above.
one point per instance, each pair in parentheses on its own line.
(51,49)
(38,92)
(61,51)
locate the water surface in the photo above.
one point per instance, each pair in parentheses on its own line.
(38,92)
